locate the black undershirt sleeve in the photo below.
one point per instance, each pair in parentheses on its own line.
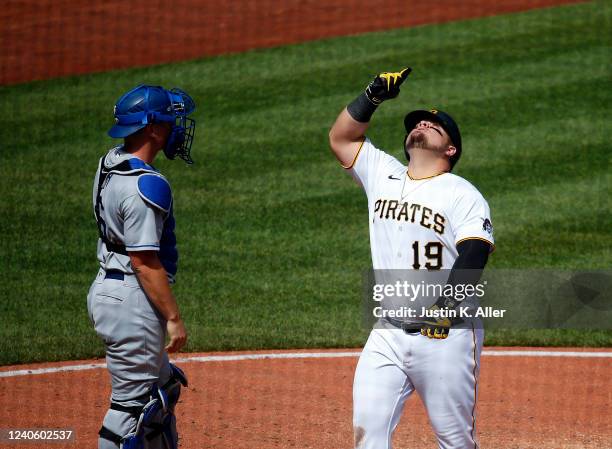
(468,267)
(473,254)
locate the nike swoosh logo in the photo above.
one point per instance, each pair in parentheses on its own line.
(393,177)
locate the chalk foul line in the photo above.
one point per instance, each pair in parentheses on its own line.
(300,355)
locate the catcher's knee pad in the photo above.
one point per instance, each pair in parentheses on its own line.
(151,426)
(172,388)
(126,427)
(117,423)
(162,432)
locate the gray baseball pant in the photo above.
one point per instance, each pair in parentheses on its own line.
(134,335)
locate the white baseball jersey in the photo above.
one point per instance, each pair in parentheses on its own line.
(417,223)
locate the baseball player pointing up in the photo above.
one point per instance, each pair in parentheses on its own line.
(421,217)
(130,302)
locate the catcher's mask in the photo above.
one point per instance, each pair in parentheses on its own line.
(413,118)
(144,105)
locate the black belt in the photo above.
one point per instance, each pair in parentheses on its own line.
(409,328)
(114,274)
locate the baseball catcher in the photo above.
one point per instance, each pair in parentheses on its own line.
(130,302)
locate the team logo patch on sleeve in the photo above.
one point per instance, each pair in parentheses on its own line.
(487,226)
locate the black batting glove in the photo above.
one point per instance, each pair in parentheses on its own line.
(436,332)
(439,327)
(386,86)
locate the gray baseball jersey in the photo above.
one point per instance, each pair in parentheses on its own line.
(136,216)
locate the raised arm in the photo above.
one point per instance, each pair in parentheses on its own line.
(348,132)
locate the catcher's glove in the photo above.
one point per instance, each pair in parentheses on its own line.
(439,326)
(386,86)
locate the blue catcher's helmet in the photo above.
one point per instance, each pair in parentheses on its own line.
(154,104)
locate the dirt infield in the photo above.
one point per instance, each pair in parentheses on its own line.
(42,39)
(527,400)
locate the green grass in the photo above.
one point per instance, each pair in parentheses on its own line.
(273,236)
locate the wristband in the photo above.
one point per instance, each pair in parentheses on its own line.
(361,108)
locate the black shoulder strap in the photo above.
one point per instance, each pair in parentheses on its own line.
(98,207)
